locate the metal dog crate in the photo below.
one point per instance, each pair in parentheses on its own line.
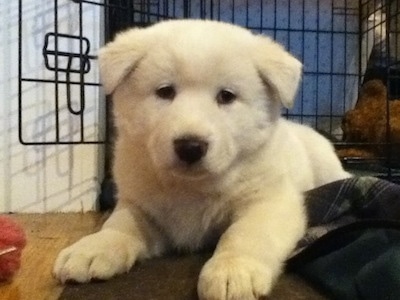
(342,44)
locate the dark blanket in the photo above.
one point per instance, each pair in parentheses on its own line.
(352,247)
(351,251)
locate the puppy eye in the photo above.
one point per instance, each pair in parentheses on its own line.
(167,92)
(226,97)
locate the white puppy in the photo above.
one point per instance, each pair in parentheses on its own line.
(202,156)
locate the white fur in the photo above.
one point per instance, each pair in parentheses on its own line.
(245,195)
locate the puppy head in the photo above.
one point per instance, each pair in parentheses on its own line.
(200,95)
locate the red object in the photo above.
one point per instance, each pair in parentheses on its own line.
(12,241)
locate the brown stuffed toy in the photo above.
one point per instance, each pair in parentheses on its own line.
(368,123)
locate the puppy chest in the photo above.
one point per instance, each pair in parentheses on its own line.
(192,227)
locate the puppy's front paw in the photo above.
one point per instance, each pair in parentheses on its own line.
(97,256)
(234,278)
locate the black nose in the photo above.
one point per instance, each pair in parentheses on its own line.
(190,149)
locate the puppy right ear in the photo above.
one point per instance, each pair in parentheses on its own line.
(280,71)
(118,58)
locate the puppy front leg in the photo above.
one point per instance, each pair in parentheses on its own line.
(250,254)
(125,237)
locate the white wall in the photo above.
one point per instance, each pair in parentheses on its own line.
(46,178)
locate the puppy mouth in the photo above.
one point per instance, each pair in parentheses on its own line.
(189,172)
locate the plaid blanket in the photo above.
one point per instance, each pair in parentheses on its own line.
(352,247)
(347,201)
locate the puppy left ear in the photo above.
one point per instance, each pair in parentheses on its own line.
(120,57)
(280,71)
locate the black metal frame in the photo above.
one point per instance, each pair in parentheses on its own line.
(52,61)
(120,14)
